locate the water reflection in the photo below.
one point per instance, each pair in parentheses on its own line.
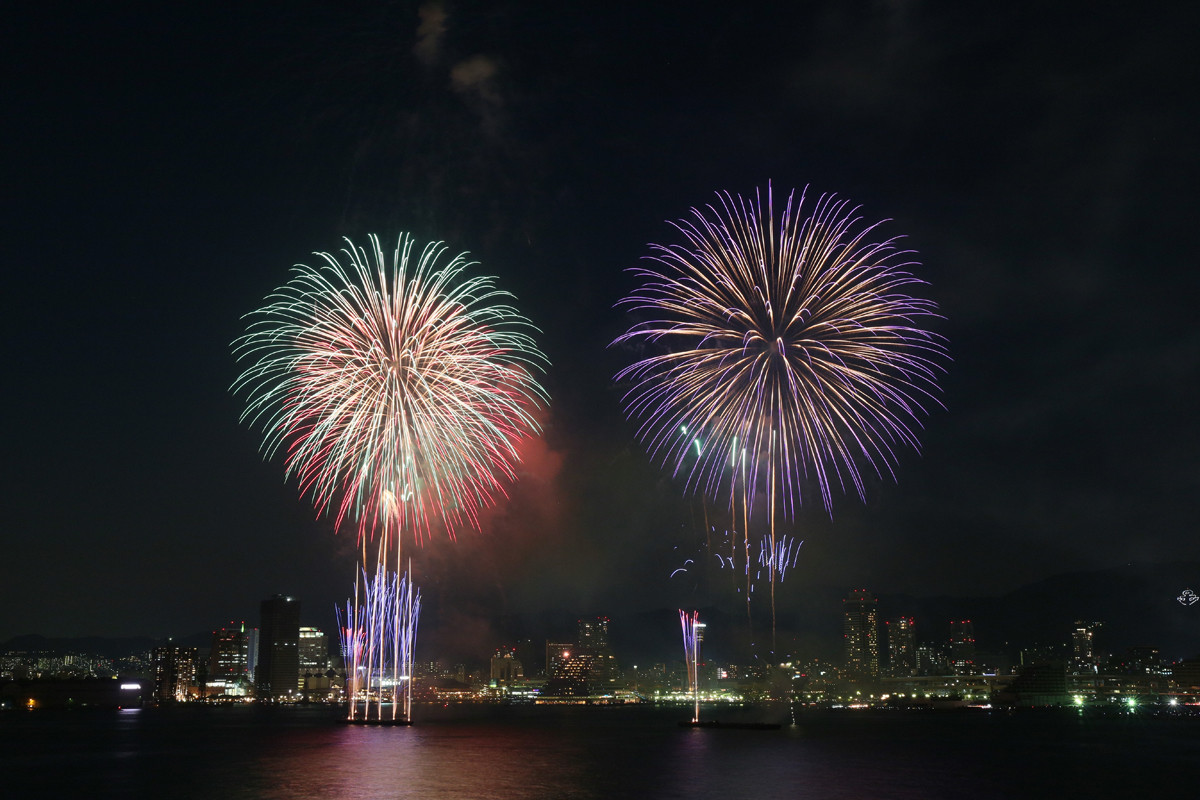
(577,754)
(428,760)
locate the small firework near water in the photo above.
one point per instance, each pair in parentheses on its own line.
(397,388)
(378,637)
(692,634)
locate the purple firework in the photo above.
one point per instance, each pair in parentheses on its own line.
(782,351)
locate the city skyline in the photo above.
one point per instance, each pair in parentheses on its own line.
(170,166)
(871,641)
(297,665)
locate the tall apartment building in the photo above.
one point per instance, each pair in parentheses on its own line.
(174,673)
(228,656)
(313,653)
(962,647)
(1083,646)
(278,648)
(902,647)
(860,631)
(228,661)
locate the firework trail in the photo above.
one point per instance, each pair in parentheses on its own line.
(379,634)
(784,352)
(776,558)
(691,654)
(779,556)
(397,388)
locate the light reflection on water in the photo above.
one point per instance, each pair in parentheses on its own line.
(427,761)
(579,754)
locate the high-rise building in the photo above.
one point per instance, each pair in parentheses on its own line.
(278,648)
(556,654)
(228,671)
(1083,646)
(227,659)
(902,646)
(506,667)
(313,653)
(593,633)
(573,677)
(931,660)
(252,637)
(588,669)
(174,672)
(593,639)
(962,646)
(860,630)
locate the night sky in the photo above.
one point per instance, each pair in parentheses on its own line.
(165,164)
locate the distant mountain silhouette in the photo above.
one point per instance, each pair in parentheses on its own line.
(1136,602)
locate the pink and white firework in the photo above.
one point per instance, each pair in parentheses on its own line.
(397,389)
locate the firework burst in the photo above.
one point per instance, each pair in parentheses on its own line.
(783,354)
(786,352)
(397,389)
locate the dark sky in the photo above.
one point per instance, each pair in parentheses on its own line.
(164,164)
